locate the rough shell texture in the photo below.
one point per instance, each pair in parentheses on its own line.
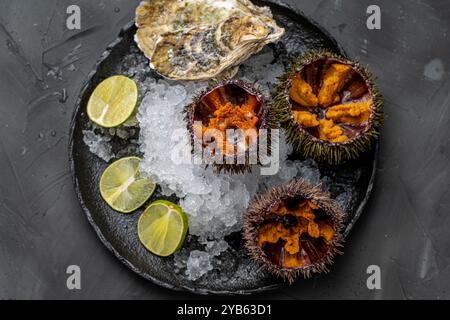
(202,39)
(333,153)
(267,119)
(261,209)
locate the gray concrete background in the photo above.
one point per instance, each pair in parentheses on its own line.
(404,229)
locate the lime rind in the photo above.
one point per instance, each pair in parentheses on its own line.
(106,94)
(165,231)
(123,188)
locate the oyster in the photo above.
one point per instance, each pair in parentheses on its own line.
(202,39)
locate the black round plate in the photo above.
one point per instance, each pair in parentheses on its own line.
(235,274)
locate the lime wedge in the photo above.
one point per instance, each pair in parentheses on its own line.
(123,187)
(113,101)
(162,228)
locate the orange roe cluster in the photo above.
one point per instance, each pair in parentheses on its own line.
(333,81)
(302,92)
(306,119)
(350,113)
(274,232)
(331,132)
(227,115)
(328,98)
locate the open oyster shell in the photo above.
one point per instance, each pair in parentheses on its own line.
(202,39)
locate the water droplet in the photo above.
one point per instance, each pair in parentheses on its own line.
(53,133)
(117,9)
(40,135)
(434,70)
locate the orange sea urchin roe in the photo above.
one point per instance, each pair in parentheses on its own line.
(229,116)
(273,232)
(302,93)
(335,113)
(306,119)
(332,83)
(351,113)
(331,132)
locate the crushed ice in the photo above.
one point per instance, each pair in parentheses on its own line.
(98,144)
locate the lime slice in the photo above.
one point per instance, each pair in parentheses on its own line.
(162,228)
(123,187)
(113,101)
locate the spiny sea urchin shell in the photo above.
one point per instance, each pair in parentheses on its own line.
(293,229)
(225,108)
(330,107)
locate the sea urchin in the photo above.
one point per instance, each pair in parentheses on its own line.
(226,120)
(330,107)
(293,229)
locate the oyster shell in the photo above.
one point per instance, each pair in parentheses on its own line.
(202,39)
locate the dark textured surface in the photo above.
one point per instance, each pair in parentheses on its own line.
(236,273)
(404,229)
